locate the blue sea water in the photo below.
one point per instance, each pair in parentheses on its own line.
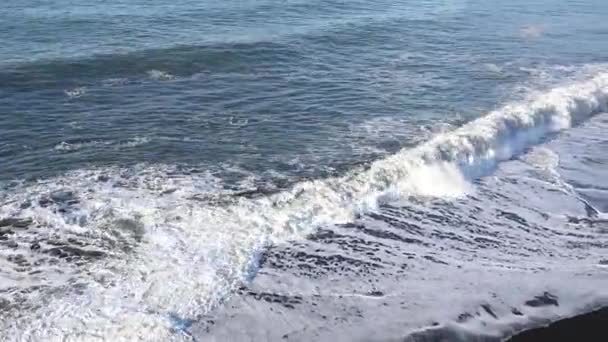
(153,154)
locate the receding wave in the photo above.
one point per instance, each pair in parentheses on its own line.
(125,255)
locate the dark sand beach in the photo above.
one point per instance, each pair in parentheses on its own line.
(588,327)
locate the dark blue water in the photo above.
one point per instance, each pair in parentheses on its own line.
(156,148)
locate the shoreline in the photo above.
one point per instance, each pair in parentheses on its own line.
(591,326)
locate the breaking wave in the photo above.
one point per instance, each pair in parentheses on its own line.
(124,255)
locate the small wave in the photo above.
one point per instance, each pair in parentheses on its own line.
(75,146)
(134,142)
(235,121)
(75,92)
(115,82)
(493,68)
(159,75)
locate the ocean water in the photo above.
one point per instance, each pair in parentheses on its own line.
(301,170)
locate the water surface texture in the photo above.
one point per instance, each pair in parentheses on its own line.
(301,170)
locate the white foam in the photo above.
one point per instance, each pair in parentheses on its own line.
(75,146)
(194,253)
(69,147)
(159,75)
(134,142)
(75,92)
(577,296)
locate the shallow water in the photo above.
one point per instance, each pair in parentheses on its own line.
(163,163)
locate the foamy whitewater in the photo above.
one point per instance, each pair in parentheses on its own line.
(115,254)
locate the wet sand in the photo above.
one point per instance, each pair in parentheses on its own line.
(589,327)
